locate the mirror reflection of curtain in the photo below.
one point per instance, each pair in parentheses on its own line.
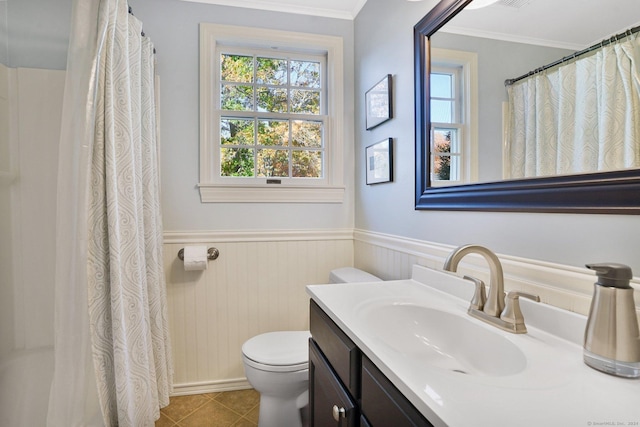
(580,117)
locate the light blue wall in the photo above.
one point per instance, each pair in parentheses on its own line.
(384,45)
(39,38)
(384,40)
(38,33)
(173,26)
(4,36)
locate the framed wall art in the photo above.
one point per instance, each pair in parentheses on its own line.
(378,103)
(379,162)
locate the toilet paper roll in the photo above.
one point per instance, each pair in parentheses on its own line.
(195,258)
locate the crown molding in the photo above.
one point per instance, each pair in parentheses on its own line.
(289,7)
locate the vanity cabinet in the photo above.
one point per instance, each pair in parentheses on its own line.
(329,402)
(346,389)
(383,404)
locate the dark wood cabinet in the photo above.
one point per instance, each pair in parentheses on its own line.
(329,403)
(346,389)
(382,403)
(343,355)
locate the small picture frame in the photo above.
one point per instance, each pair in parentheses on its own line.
(379,162)
(378,103)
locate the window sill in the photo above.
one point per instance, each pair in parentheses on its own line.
(215,193)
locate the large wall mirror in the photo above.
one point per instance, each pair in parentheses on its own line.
(508,40)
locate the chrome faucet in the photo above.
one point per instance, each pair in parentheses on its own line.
(491,308)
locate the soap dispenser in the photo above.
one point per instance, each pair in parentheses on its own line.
(611,338)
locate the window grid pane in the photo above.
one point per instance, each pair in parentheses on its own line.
(442,111)
(271,71)
(281,147)
(446,143)
(441,85)
(236,131)
(273,133)
(236,68)
(307,164)
(305,74)
(445,155)
(237,162)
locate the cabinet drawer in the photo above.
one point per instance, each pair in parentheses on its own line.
(326,395)
(382,403)
(339,350)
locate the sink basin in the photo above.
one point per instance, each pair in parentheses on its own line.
(442,340)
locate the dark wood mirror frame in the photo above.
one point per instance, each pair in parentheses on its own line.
(596,193)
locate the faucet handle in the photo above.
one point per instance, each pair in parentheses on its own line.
(512,313)
(480,295)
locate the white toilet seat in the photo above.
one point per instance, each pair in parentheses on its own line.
(275,368)
(283,351)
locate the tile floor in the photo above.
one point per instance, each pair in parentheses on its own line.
(224,409)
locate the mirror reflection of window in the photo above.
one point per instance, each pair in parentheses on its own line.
(446,125)
(450,136)
(443,92)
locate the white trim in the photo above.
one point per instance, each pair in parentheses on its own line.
(201,387)
(280,194)
(474,32)
(289,7)
(176,237)
(469,63)
(435,253)
(212,35)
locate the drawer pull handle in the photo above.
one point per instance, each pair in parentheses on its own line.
(338,413)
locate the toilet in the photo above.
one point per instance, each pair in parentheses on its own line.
(277,365)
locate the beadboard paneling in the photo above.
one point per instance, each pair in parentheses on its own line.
(391,257)
(256,285)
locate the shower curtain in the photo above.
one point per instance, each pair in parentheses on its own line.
(579,117)
(112,352)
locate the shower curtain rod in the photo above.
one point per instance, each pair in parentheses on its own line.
(603,43)
(142,33)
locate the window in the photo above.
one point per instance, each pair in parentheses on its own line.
(271,116)
(446,124)
(453,118)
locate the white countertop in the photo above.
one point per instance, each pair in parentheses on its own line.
(555,387)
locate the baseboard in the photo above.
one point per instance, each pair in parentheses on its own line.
(185,389)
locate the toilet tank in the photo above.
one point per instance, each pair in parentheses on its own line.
(350,275)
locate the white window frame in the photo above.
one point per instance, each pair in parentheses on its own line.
(213,188)
(468,105)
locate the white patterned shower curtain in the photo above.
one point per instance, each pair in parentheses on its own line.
(112,353)
(579,117)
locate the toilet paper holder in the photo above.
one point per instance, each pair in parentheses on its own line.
(212,254)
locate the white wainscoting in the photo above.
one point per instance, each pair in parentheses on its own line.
(256,285)
(391,257)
